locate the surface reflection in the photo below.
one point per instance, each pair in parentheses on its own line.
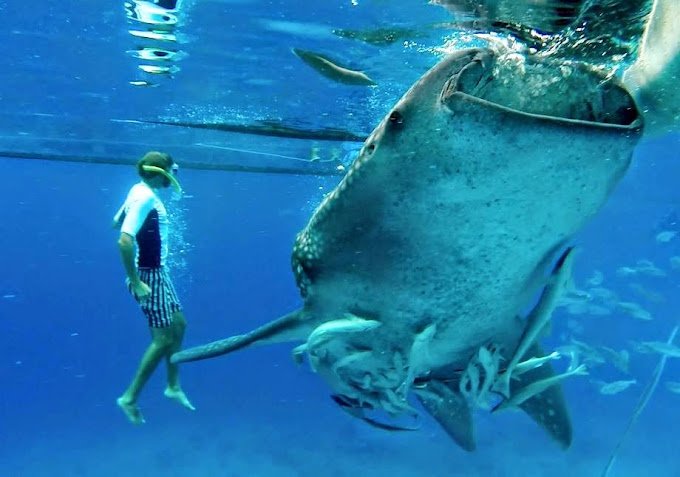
(153,27)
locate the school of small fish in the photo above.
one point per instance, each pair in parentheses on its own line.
(597,300)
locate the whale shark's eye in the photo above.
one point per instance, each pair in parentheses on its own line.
(396,117)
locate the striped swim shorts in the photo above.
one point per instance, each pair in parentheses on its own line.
(159,306)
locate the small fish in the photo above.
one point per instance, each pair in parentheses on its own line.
(485,357)
(333,71)
(675,262)
(532,363)
(634,310)
(604,294)
(626,271)
(652,296)
(380,36)
(646,267)
(577,308)
(490,361)
(349,359)
(666,236)
(596,279)
(298,353)
(580,350)
(575,294)
(419,357)
(673,386)
(614,387)
(575,326)
(661,347)
(598,310)
(538,387)
(620,359)
(469,383)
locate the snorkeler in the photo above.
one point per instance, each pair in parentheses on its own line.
(142,218)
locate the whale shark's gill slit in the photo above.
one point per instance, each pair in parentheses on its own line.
(472,79)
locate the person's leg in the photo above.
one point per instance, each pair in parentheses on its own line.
(178,326)
(162,340)
(174,390)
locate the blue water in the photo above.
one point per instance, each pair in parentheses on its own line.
(72,336)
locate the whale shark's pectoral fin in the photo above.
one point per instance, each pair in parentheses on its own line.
(291,327)
(548,408)
(539,318)
(451,411)
(355,409)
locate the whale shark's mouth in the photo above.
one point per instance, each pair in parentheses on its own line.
(562,90)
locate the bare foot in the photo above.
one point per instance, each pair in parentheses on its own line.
(131,410)
(179,396)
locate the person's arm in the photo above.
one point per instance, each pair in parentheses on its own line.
(126,245)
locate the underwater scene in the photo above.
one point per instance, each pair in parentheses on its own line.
(290,239)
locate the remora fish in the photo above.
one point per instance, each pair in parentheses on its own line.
(444,227)
(333,71)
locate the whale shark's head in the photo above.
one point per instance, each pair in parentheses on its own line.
(442,140)
(429,117)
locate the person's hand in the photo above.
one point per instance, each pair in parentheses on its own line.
(141,290)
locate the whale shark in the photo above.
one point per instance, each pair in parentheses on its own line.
(437,259)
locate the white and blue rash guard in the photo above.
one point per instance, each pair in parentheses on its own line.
(143,217)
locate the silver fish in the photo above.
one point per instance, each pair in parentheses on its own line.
(538,387)
(614,387)
(672,351)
